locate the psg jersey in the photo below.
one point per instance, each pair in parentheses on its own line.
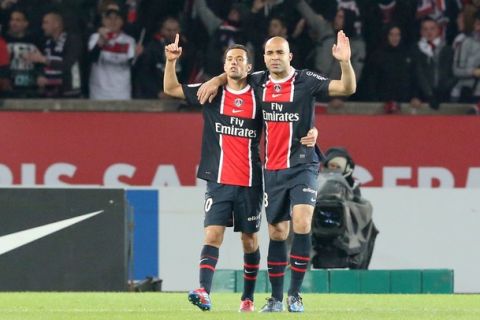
(231,135)
(288,114)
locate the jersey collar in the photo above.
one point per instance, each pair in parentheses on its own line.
(288,77)
(237,91)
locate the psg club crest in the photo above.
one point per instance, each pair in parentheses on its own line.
(238,102)
(277,87)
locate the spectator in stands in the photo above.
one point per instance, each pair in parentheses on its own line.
(59,62)
(381,14)
(466,66)
(325,32)
(20,44)
(433,67)
(35,9)
(457,55)
(111,52)
(265,10)
(444,12)
(151,64)
(271,18)
(222,33)
(5,7)
(276,27)
(391,71)
(344,20)
(470,8)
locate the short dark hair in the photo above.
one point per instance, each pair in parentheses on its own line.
(280,19)
(164,20)
(241,47)
(428,19)
(58,14)
(115,11)
(21,11)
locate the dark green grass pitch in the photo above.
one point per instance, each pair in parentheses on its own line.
(125,306)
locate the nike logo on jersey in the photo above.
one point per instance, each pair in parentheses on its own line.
(236,110)
(300,263)
(246,271)
(202,260)
(18,239)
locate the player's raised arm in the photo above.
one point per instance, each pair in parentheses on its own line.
(347,84)
(171,86)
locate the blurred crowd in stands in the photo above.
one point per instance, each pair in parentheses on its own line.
(403,51)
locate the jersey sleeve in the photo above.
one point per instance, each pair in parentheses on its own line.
(317,83)
(190,92)
(256,79)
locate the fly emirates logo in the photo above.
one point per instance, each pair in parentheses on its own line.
(235,129)
(278,115)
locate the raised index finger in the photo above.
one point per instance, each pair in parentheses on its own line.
(177,37)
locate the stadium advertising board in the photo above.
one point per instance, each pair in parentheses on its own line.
(163,149)
(63,239)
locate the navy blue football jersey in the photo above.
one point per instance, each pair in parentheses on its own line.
(231,136)
(288,114)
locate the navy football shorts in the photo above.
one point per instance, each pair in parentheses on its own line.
(287,188)
(237,206)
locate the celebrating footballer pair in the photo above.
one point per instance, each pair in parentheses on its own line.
(282,101)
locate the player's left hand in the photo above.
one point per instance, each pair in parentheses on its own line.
(207,91)
(341,50)
(311,138)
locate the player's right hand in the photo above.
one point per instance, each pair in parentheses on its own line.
(173,51)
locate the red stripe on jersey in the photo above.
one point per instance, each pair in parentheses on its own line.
(235,165)
(279,91)
(278,142)
(239,104)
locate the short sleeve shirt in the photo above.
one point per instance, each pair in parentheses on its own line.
(231,136)
(288,114)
